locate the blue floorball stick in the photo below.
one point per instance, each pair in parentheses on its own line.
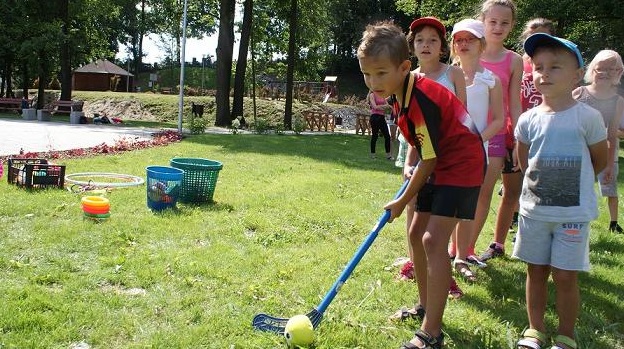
(268,323)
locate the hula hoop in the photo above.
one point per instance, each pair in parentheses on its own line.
(99,216)
(95,201)
(95,210)
(122,180)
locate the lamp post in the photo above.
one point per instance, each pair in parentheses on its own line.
(128,76)
(182,58)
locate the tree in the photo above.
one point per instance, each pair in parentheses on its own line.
(225,48)
(241,63)
(166,16)
(292,60)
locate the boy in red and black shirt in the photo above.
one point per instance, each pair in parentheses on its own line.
(449,173)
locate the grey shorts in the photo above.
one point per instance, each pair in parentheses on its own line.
(609,189)
(562,245)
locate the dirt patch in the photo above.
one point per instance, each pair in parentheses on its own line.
(125,110)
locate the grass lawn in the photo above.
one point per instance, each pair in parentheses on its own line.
(290,212)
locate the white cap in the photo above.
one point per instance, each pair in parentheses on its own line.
(470,25)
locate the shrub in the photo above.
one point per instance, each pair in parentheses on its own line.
(197,125)
(298,125)
(261,126)
(279,129)
(235,126)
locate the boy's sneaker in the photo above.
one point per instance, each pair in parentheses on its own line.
(492,252)
(615,228)
(474,260)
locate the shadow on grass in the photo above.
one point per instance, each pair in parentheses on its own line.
(182,209)
(346,149)
(601,308)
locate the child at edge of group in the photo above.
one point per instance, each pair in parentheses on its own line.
(427,42)
(378,108)
(561,147)
(449,173)
(499,17)
(603,75)
(529,96)
(485,106)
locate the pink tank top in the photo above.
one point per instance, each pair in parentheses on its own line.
(381,104)
(502,69)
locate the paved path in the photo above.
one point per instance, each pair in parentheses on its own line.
(38,136)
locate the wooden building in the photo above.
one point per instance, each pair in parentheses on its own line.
(102,75)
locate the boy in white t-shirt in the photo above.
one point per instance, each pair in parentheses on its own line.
(561,147)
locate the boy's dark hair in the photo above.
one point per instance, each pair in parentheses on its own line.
(445,49)
(384,39)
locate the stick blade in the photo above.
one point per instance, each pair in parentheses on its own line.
(268,323)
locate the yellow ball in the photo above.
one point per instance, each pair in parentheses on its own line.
(299,331)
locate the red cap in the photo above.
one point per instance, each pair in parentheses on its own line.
(430,21)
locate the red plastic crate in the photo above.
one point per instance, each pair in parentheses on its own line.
(35,174)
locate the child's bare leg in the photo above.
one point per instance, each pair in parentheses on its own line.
(417,230)
(512,187)
(485,197)
(612,203)
(567,300)
(435,241)
(409,216)
(537,295)
(463,238)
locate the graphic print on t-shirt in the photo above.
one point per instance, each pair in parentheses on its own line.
(531,97)
(554,181)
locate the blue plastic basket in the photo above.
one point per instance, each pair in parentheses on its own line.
(163,187)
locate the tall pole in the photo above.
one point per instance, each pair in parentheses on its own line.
(202,84)
(182,58)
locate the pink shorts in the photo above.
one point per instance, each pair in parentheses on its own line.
(496,146)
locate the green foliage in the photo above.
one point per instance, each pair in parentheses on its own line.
(298,124)
(580,21)
(197,125)
(261,126)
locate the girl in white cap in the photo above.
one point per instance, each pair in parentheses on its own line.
(485,106)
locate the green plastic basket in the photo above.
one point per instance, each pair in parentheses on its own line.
(199,180)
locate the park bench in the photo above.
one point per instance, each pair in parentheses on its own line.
(166,90)
(317,121)
(362,124)
(12,103)
(67,107)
